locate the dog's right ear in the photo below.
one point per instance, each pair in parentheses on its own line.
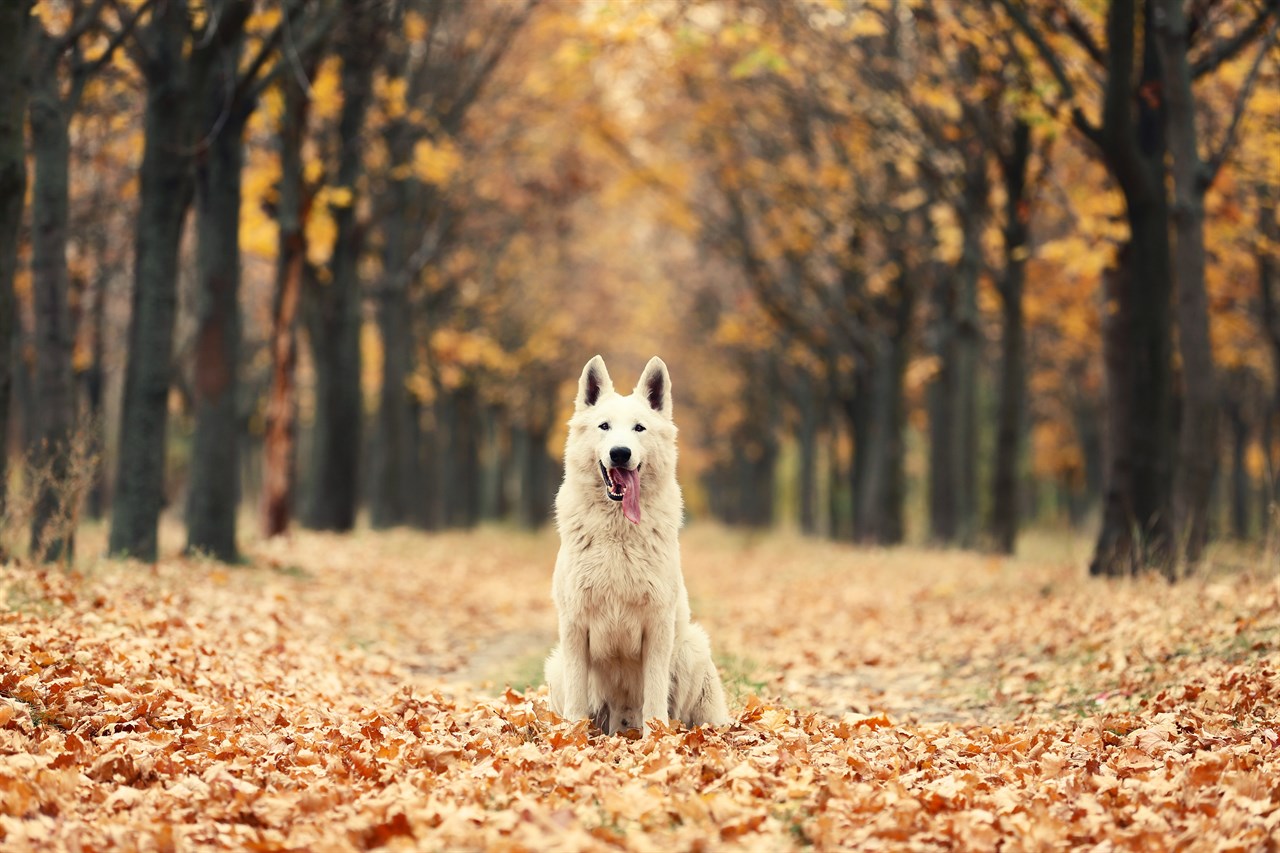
(595,382)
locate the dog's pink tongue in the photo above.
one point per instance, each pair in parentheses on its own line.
(630,500)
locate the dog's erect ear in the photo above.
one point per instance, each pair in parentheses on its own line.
(655,386)
(595,381)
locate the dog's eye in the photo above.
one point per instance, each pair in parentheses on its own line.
(639,427)
(605,426)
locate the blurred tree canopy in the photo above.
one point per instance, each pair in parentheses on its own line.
(926,269)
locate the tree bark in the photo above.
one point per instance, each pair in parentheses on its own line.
(1198,438)
(214,492)
(397,471)
(1269,298)
(807,439)
(279,457)
(334,307)
(968,346)
(880,425)
(94,381)
(492,462)
(1003,523)
(14,16)
(1139,455)
(52,534)
(1116,551)
(943,446)
(1240,486)
(165,188)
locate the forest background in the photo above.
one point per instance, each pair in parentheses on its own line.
(927,271)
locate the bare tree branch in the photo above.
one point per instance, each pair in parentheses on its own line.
(1230,47)
(79,26)
(127,26)
(1209,171)
(1051,59)
(301,53)
(462,103)
(1079,32)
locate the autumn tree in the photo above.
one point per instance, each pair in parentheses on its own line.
(231,88)
(1131,137)
(432,77)
(1192,177)
(164,53)
(58,69)
(292,207)
(331,300)
(14,21)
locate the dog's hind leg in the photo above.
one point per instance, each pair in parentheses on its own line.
(697,696)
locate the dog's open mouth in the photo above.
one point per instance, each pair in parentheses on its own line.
(623,484)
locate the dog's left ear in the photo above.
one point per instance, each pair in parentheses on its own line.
(655,386)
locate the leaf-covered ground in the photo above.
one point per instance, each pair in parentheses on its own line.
(350,693)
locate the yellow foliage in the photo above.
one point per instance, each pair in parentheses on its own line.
(322,233)
(263,20)
(336,196)
(1255,460)
(435,162)
(371,358)
(866,25)
(55,17)
(1055,453)
(948,235)
(391,94)
(415,27)
(326,91)
(259,231)
(920,372)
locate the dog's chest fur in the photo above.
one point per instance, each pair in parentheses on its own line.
(617,584)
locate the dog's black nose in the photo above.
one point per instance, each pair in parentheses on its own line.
(619,455)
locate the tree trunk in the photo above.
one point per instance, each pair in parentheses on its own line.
(279,452)
(1150,280)
(492,463)
(52,525)
(543,474)
(1269,299)
(214,491)
(13,182)
(880,478)
(1240,486)
(943,446)
(1198,438)
(396,441)
(968,346)
(1116,551)
(94,379)
(860,409)
(165,187)
(1003,524)
(534,467)
(464,489)
(893,526)
(1139,456)
(807,441)
(334,312)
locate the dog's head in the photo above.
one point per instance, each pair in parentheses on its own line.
(619,440)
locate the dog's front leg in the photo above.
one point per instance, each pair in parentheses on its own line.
(658,646)
(576,649)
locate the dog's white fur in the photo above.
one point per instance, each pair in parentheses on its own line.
(627,644)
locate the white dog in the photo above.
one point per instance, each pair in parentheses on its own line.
(628,652)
